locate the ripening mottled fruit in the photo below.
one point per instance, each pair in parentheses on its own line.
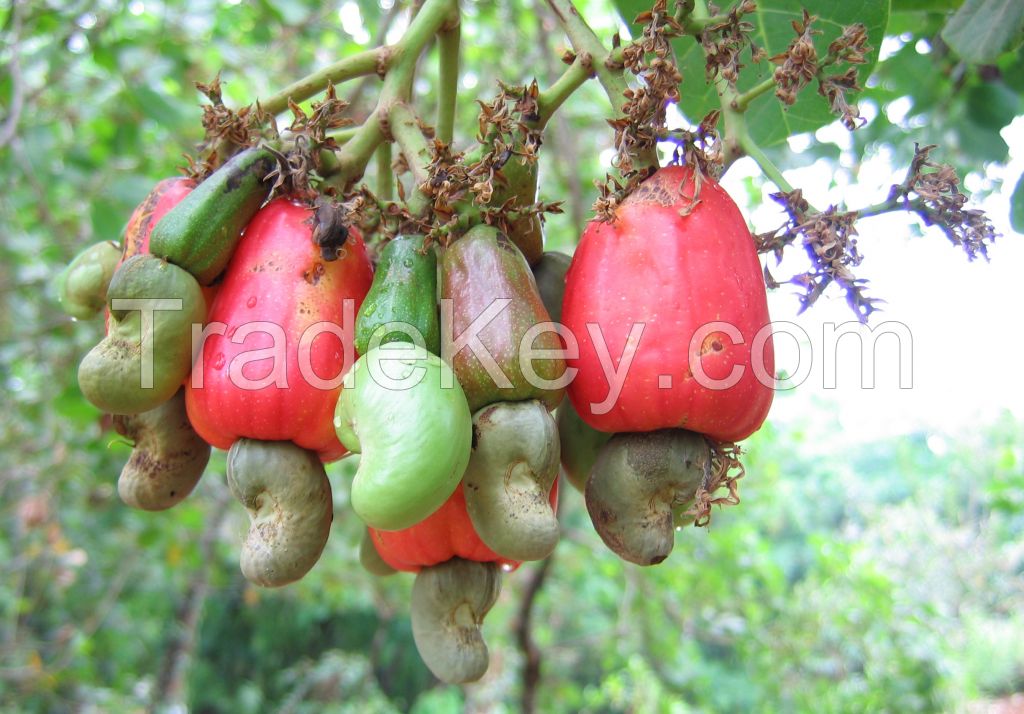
(668,305)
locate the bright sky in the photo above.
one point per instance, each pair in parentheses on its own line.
(964,317)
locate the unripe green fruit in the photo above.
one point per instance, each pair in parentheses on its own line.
(83,284)
(413,434)
(147,352)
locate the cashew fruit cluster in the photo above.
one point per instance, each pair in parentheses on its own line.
(440,364)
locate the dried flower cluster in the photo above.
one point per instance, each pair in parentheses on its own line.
(701,148)
(227,130)
(931,190)
(651,59)
(938,201)
(799,65)
(506,133)
(724,41)
(828,239)
(642,123)
(301,163)
(725,472)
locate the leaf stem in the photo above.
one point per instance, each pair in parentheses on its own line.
(375,61)
(742,101)
(554,96)
(448,42)
(385,178)
(405,128)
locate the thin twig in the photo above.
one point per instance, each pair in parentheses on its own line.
(532,655)
(170,684)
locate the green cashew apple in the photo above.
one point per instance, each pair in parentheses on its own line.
(404,291)
(285,489)
(404,412)
(549,272)
(509,479)
(147,352)
(638,481)
(200,233)
(168,458)
(449,603)
(580,442)
(82,289)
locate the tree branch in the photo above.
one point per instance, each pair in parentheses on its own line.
(532,656)
(170,683)
(584,40)
(448,81)
(370,62)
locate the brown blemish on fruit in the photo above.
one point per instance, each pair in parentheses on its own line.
(313,275)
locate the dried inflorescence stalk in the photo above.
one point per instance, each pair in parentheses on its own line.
(651,59)
(938,201)
(642,123)
(829,237)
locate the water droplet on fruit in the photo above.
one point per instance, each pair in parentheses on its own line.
(231,331)
(218,361)
(251,302)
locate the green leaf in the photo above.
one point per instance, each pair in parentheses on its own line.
(768,120)
(925,5)
(1017,206)
(107,220)
(992,105)
(156,107)
(982,29)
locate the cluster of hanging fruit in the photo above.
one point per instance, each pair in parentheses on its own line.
(239,321)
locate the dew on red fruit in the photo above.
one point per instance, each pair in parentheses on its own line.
(251,302)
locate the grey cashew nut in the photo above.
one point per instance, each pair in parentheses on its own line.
(636,482)
(168,458)
(449,602)
(285,489)
(508,481)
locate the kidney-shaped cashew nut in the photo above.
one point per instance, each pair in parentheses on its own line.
(508,480)
(636,482)
(168,458)
(285,489)
(449,602)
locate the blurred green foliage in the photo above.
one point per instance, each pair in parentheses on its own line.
(886,578)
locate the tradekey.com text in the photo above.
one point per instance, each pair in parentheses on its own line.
(271,357)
